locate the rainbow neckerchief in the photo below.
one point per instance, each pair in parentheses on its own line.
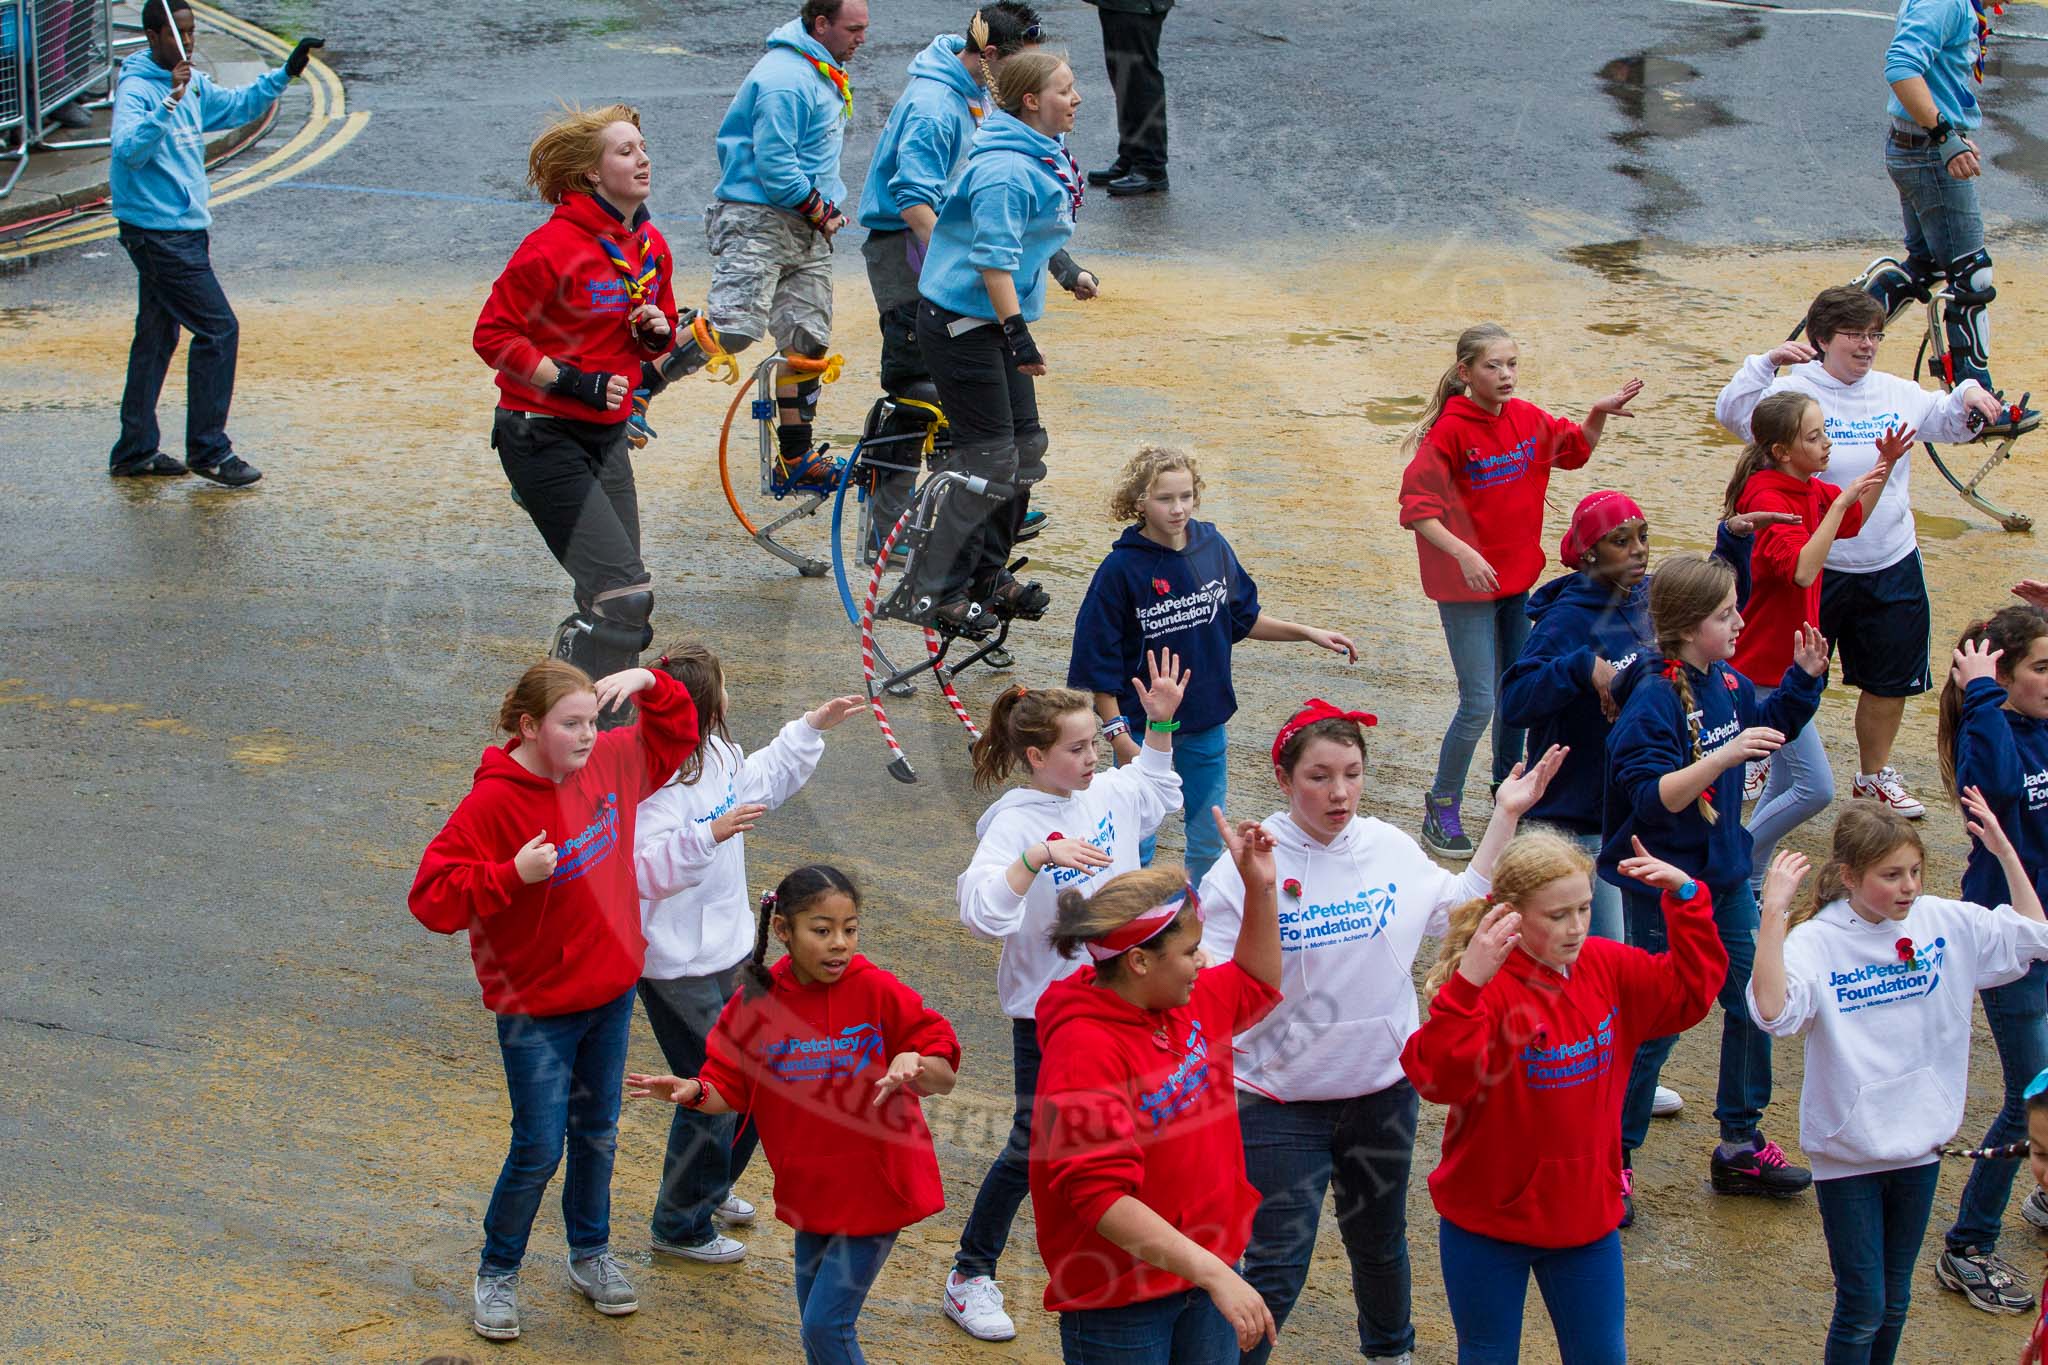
(837,75)
(1983,33)
(641,279)
(1070,177)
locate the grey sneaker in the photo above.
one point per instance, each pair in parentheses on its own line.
(497,1307)
(1985,1279)
(602,1280)
(735,1211)
(2034,1212)
(1405,1358)
(1443,831)
(720,1250)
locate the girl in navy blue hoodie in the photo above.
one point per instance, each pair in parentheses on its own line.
(1173,583)
(1993,736)
(1585,628)
(1686,726)
(982,284)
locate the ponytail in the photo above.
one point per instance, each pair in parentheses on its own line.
(1681,683)
(1774,423)
(1686,589)
(790,898)
(754,977)
(1472,344)
(1866,834)
(1022,718)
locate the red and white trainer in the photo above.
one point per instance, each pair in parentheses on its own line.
(1755,776)
(1887,787)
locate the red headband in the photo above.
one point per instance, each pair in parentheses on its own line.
(1144,928)
(1597,514)
(1317,709)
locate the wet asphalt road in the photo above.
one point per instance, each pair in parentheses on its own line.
(225,731)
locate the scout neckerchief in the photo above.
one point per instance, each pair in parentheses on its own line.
(1983,33)
(641,279)
(836,74)
(1070,176)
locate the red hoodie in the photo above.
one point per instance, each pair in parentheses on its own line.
(802,1062)
(1777,605)
(1534,1065)
(573,941)
(1141,1103)
(1484,477)
(561,297)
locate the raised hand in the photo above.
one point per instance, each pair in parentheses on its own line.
(2033,591)
(1491,943)
(1749,523)
(1250,848)
(904,1069)
(1982,822)
(1893,446)
(738,820)
(535,860)
(1974,659)
(1758,741)
(1810,650)
(1792,353)
(1169,684)
(614,688)
(1077,854)
(1651,870)
(1788,869)
(1525,786)
(1616,404)
(827,715)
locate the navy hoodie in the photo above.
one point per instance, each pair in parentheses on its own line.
(2005,755)
(1196,601)
(1548,690)
(1650,739)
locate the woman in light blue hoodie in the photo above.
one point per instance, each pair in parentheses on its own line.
(982,284)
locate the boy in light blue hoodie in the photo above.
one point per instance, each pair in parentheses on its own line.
(163,110)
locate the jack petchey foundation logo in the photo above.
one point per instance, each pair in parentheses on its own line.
(1319,924)
(1182,611)
(1881,983)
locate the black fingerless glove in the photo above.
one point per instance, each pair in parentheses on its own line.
(295,65)
(1017,337)
(651,378)
(586,387)
(817,210)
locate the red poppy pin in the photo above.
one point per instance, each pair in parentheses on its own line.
(1054,835)
(1292,888)
(1161,586)
(1905,950)
(1728,681)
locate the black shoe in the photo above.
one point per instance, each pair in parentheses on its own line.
(234,471)
(1013,599)
(1116,170)
(1755,1167)
(1138,182)
(1034,522)
(158,463)
(964,618)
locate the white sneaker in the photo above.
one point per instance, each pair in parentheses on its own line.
(1888,787)
(735,1211)
(1666,1103)
(1405,1358)
(2034,1212)
(1755,776)
(718,1251)
(977,1305)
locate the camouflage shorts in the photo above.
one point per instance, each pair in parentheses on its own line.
(771,275)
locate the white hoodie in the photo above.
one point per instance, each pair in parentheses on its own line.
(694,904)
(1855,415)
(1888,1042)
(1348,944)
(1115,812)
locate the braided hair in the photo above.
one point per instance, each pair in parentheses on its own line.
(795,893)
(1686,590)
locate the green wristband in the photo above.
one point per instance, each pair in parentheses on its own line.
(1025,858)
(1164,727)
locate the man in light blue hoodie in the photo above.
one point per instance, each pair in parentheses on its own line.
(163,110)
(777,205)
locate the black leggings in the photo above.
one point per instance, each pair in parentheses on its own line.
(575,480)
(992,410)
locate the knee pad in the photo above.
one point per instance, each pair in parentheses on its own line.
(698,344)
(1895,286)
(1970,279)
(805,374)
(1031,448)
(995,462)
(1969,331)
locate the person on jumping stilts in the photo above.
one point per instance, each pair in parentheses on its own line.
(920,155)
(982,284)
(583,303)
(1935,59)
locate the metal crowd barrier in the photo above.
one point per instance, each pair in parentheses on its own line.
(14,135)
(73,51)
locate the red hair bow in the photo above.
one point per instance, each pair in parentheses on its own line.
(1317,709)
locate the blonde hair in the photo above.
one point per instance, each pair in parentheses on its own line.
(1025,73)
(537,691)
(1022,718)
(1120,900)
(1775,423)
(571,147)
(1864,834)
(1143,468)
(1471,348)
(1534,858)
(1686,589)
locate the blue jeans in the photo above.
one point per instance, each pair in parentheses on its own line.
(1293,1153)
(1202,758)
(1485,637)
(175,287)
(1008,1182)
(1873,1224)
(2018,1015)
(1180,1329)
(1745,1085)
(1943,224)
(1487,1283)
(706,1152)
(1801,786)
(565,1073)
(833,1276)
(1607,918)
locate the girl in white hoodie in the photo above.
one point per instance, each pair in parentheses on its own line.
(1067,827)
(1880,978)
(1320,1093)
(691,861)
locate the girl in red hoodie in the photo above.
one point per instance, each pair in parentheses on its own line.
(828,1054)
(1529,1040)
(1776,472)
(537,864)
(1137,1164)
(585,301)
(1480,462)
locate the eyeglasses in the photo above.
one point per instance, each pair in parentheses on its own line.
(2035,1086)
(1875,338)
